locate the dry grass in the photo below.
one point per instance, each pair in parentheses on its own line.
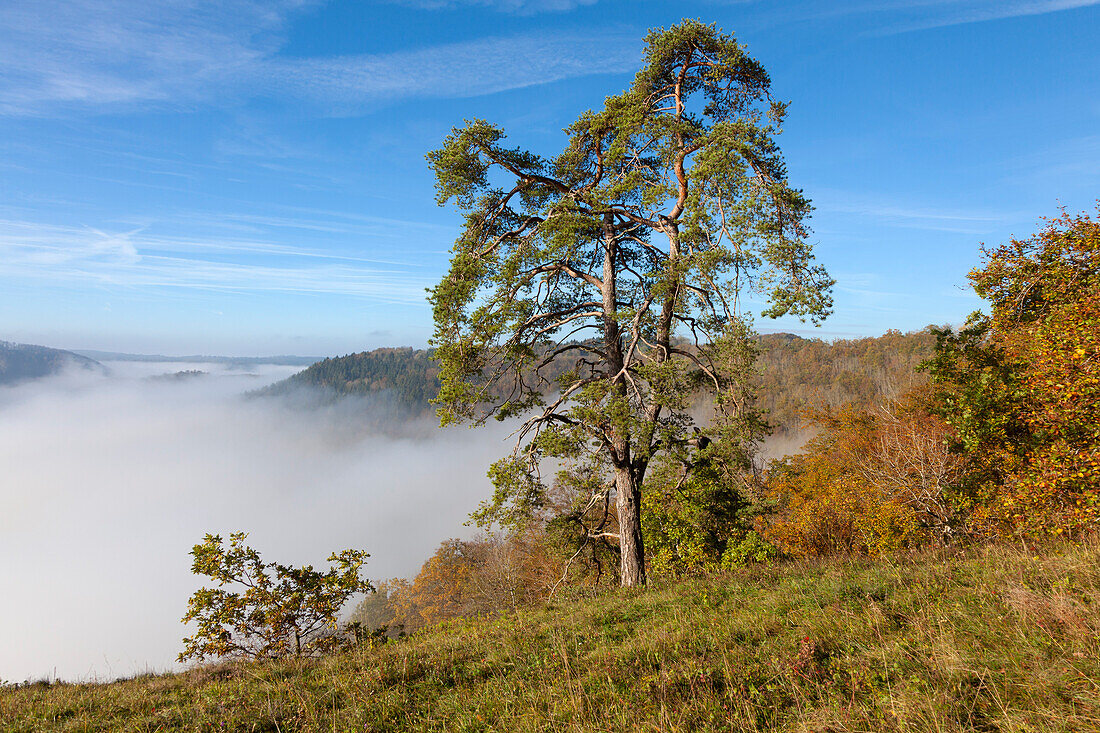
(992,639)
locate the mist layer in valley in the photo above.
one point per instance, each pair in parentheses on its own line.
(110,478)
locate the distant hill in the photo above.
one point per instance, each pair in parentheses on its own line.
(409,377)
(795,373)
(20,362)
(232,361)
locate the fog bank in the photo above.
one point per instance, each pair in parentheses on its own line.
(107,482)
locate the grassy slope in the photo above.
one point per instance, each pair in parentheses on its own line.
(992,639)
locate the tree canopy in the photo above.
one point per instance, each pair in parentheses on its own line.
(266,610)
(633,252)
(1021,387)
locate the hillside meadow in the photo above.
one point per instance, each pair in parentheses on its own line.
(994,638)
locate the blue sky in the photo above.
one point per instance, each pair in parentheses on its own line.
(248,177)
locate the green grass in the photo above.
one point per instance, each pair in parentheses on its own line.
(991,639)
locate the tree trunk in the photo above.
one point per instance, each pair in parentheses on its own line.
(628,490)
(628,497)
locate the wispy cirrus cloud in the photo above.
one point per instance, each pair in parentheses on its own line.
(463,69)
(1073,162)
(891,17)
(909,214)
(134,258)
(66,54)
(115,52)
(927,14)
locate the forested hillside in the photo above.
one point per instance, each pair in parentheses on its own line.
(795,373)
(409,375)
(20,362)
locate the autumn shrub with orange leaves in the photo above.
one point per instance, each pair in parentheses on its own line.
(871,482)
(464,578)
(1021,385)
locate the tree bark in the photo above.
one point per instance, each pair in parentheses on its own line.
(628,490)
(628,495)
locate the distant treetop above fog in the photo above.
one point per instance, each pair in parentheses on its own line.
(410,376)
(20,362)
